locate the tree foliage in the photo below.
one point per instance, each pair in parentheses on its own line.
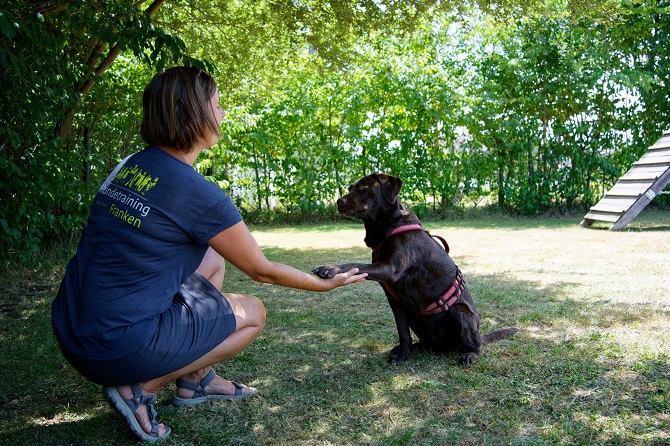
(533,111)
(538,105)
(52,54)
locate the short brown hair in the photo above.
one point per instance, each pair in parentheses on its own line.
(176,108)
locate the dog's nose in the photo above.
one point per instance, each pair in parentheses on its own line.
(340,201)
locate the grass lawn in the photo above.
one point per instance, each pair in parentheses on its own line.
(591,364)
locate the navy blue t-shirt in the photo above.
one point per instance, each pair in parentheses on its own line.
(147,233)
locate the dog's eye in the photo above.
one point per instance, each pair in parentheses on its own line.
(364,187)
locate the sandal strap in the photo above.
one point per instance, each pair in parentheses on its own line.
(238,388)
(152,418)
(140,398)
(197,387)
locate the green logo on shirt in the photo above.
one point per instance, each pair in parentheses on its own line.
(136,179)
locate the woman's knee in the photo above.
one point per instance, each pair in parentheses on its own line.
(249,310)
(257,311)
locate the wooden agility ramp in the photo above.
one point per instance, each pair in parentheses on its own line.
(636,189)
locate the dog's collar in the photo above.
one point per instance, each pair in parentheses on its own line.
(395,231)
(405,228)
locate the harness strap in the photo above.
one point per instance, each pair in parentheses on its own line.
(444,242)
(406,228)
(446,300)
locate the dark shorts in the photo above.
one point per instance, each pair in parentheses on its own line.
(199,319)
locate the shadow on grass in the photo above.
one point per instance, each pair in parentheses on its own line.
(324,379)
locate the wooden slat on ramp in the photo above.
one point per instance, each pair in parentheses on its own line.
(636,189)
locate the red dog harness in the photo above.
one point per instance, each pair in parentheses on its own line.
(449,297)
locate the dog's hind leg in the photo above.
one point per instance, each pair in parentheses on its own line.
(464,327)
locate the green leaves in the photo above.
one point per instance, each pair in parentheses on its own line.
(8,24)
(542,105)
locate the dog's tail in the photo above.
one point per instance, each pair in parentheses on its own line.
(498,335)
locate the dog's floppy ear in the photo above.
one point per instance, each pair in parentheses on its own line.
(390,187)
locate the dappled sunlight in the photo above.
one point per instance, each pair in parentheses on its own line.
(591,362)
(526,431)
(638,340)
(604,427)
(636,265)
(552,285)
(553,334)
(66,416)
(386,413)
(403,382)
(303,238)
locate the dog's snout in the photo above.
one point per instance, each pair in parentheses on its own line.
(352,205)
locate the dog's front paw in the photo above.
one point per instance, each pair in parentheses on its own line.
(399,354)
(326,271)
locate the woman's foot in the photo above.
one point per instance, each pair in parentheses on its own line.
(196,388)
(144,413)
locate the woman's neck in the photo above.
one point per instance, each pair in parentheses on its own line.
(185,157)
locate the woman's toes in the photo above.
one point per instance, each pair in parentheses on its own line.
(142,417)
(247,390)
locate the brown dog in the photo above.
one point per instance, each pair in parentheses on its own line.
(424,287)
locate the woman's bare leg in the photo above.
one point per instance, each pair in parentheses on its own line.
(250,319)
(213,267)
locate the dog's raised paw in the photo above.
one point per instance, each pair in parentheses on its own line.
(324,272)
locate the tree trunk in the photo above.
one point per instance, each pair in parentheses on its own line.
(501,192)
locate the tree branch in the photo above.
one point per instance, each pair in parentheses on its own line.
(64,128)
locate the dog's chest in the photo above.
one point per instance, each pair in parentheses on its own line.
(422,269)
